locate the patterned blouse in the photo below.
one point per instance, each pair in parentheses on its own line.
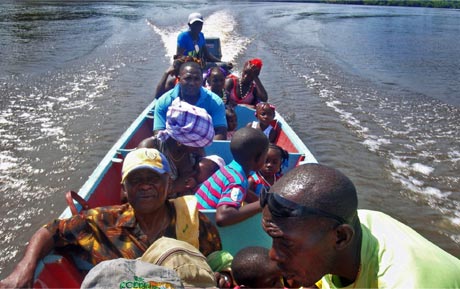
(113,232)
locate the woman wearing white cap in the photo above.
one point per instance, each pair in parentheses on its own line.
(192,42)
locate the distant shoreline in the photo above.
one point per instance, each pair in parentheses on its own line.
(453,4)
(406,3)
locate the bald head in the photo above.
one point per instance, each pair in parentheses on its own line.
(319,186)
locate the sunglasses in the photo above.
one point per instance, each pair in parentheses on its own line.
(284,208)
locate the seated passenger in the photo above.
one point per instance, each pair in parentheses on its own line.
(188,130)
(190,90)
(226,189)
(215,81)
(312,216)
(171,76)
(247,89)
(265,114)
(192,42)
(271,171)
(122,231)
(252,268)
(232,121)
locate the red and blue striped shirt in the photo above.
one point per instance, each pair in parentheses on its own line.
(227,186)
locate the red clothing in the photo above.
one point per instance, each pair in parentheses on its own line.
(248,98)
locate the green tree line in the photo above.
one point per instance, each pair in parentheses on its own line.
(409,3)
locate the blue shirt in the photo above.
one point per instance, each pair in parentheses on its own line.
(208,100)
(184,40)
(227,186)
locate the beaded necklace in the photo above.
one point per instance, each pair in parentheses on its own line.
(247,92)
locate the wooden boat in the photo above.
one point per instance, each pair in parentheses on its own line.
(103,189)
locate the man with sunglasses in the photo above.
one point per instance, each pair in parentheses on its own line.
(319,236)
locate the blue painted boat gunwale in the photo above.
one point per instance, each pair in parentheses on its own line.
(98,174)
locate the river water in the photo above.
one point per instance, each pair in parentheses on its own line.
(372,91)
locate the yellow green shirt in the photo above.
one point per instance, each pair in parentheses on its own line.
(395,256)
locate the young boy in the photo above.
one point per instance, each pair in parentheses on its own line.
(252,268)
(226,189)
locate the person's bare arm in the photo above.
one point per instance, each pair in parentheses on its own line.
(227,215)
(220,133)
(228,86)
(251,196)
(22,276)
(209,56)
(260,89)
(272,135)
(163,84)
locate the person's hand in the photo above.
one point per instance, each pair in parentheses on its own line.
(224,280)
(254,70)
(171,71)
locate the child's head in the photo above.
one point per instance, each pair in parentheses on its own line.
(232,121)
(253,268)
(265,112)
(276,157)
(249,148)
(178,61)
(208,166)
(216,79)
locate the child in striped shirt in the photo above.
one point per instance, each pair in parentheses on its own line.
(226,189)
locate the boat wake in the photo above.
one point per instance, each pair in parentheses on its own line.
(221,24)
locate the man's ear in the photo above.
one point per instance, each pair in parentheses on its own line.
(344,236)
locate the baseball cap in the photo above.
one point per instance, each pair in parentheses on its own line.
(144,158)
(195,16)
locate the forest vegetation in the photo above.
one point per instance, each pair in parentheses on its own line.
(409,3)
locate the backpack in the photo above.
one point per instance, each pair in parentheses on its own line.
(188,262)
(131,273)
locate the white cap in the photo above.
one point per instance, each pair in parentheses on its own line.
(195,16)
(217,159)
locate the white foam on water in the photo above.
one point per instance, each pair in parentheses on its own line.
(373,143)
(454,155)
(7,162)
(405,173)
(423,169)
